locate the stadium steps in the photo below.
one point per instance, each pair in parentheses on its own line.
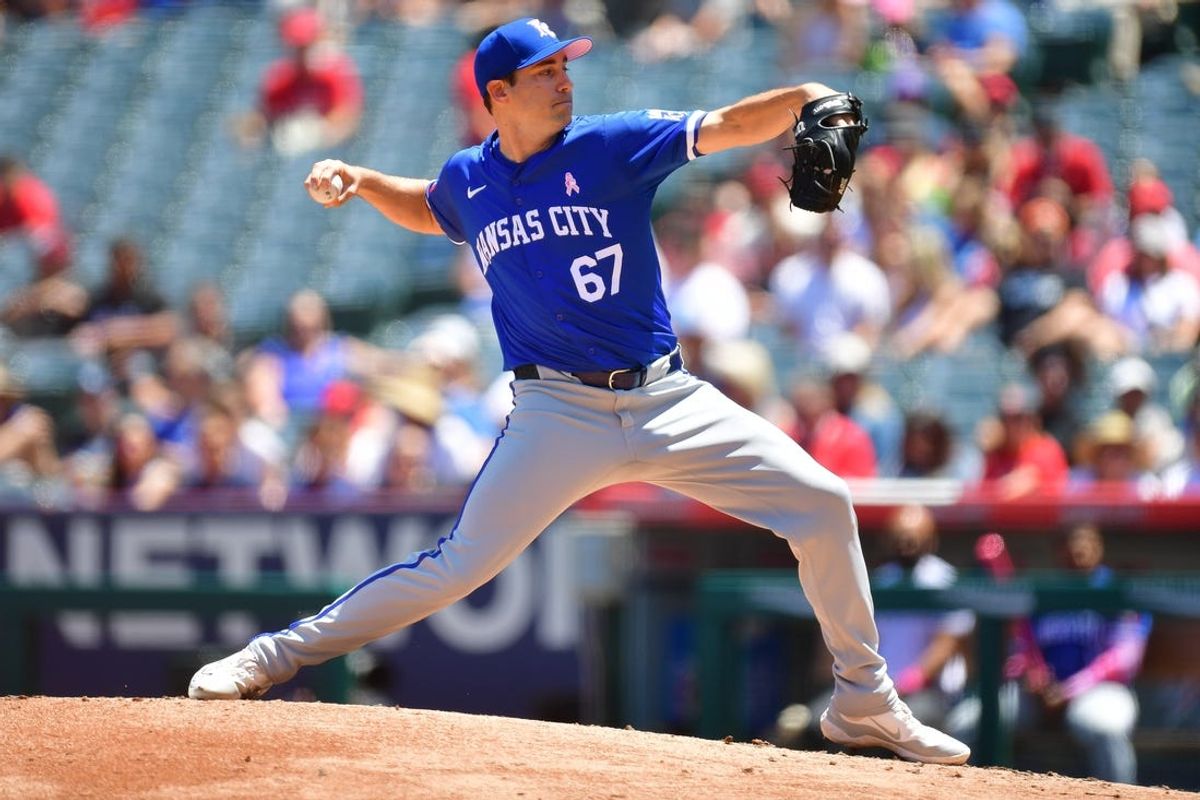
(76,139)
(161,124)
(219,181)
(38,63)
(16,264)
(365,262)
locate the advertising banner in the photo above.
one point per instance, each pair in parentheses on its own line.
(509,648)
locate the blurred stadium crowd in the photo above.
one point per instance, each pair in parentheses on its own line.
(1011,298)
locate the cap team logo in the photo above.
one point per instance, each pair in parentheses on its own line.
(571,184)
(542,28)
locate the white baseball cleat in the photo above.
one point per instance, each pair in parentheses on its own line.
(235,677)
(899,731)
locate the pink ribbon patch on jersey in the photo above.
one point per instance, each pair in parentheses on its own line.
(572,184)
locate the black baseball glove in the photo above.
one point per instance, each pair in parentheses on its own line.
(823,156)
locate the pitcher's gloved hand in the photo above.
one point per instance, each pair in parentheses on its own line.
(827,136)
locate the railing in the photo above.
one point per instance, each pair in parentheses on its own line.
(723,596)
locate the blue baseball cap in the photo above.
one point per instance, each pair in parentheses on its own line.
(518,44)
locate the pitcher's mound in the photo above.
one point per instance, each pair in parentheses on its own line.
(174,748)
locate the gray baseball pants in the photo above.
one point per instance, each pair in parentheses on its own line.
(564,440)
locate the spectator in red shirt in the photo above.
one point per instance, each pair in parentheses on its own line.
(311,98)
(1020,459)
(29,208)
(99,16)
(833,439)
(1052,154)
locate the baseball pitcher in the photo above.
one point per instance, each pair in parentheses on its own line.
(556,210)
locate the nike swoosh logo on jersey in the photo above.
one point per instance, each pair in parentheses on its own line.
(474,190)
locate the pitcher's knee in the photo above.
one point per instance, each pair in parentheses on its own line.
(460,582)
(838,506)
(824,510)
(449,575)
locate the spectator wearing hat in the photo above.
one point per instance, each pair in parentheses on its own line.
(1112,457)
(743,370)
(424,442)
(1154,304)
(312,97)
(447,351)
(847,359)
(1020,459)
(1133,383)
(412,459)
(1148,195)
(321,463)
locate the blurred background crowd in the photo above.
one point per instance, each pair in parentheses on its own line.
(1008,302)
(1010,297)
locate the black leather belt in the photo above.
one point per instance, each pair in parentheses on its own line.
(623,379)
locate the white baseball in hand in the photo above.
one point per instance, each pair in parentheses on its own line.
(329,193)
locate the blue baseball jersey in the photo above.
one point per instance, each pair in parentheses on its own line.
(564,238)
(1071,640)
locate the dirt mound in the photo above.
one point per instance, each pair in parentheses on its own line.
(173,748)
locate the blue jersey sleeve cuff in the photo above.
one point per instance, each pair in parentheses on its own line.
(693,133)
